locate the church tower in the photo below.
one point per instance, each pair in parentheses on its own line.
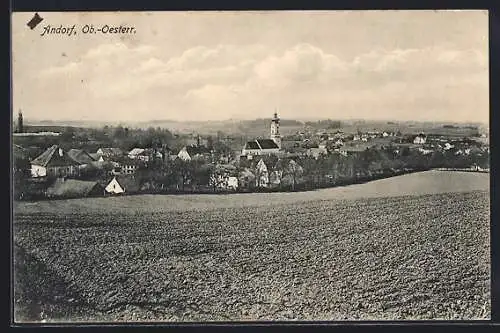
(275,130)
(20,122)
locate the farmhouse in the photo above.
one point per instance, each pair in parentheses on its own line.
(123,184)
(192,152)
(261,174)
(137,153)
(73,188)
(125,166)
(144,154)
(81,157)
(54,162)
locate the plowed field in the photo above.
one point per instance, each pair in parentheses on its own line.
(422,256)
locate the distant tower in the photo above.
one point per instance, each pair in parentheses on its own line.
(275,130)
(20,122)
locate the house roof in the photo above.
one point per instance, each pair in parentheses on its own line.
(125,160)
(129,183)
(52,157)
(80,156)
(136,151)
(72,187)
(197,150)
(111,151)
(20,153)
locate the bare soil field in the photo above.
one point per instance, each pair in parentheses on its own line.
(336,254)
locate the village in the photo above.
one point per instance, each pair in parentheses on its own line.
(306,160)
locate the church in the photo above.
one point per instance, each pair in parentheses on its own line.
(271,146)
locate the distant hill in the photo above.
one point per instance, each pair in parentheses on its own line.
(261,127)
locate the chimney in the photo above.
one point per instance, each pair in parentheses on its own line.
(60,152)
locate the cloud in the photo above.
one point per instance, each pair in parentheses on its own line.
(235,79)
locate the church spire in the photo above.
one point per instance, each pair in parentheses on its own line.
(275,129)
(20,122)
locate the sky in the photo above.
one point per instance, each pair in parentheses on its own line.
(380,65)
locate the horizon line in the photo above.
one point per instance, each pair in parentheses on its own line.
(312,119)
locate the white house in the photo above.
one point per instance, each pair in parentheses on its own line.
(54,162)
(122,184)
(136,152)
(420,139)
(448,146)
(190,152)
(261,174)
(109,152)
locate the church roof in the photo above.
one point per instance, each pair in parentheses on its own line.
(267,144)
(261,144)
(252,145)
(197,150)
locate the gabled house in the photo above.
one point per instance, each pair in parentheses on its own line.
(261,174)
(97,157)
(125,166)
(145,155)
(123,184)
(136,152)
(54,162)
(189,153)
(82,157)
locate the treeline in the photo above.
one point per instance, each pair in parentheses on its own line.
(91,139)
(325,124)
(305,172)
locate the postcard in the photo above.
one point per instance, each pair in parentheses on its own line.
(270,166)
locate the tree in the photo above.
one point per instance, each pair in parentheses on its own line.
(183,170)
(294,172)
(201,172)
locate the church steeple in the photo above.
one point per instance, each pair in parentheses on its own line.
(275,129)
(20,122)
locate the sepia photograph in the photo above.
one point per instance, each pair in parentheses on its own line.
(250,166)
